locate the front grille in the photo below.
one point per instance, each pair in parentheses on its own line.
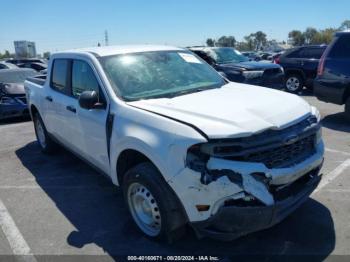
(274,148)
(285,155)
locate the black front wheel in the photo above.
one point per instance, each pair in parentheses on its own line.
(153,205)
(46,144)
(294,83)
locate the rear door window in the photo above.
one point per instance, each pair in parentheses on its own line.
(295,53)
(341,48)
(59,75)
(312,53)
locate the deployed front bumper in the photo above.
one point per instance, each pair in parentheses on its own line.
(231,222)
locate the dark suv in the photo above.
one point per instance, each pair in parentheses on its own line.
(333,76)
(238,68)
(300,66)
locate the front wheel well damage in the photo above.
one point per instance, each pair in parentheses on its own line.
(128,159)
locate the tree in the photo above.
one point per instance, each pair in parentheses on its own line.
(226,41)
(297,37)
(345,25)
(46,55)
(309,35)
(250,42)
(242,46)
(210,42)
(324,36)
(260,39)
(256,41)
(6,55)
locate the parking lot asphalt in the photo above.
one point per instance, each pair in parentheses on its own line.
(58,205)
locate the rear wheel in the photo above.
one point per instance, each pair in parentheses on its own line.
(153,205)
(46,144)
(294,83)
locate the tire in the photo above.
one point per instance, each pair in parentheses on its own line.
(294,83)
(47,145)
(347,109)
(153,205)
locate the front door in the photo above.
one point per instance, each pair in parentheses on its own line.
(87,128)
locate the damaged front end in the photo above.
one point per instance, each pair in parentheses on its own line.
(250,183)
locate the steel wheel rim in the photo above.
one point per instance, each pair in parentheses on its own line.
(40,132)
(144,209)
(292,83)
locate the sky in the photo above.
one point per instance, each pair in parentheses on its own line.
(56,25)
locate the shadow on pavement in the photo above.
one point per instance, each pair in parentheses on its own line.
(336,122)
(14,120)
(96,209)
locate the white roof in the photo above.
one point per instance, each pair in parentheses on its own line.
(122,49)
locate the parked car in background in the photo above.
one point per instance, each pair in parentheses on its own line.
(332,83)
(275,58)
(12,95)
(33,63)
(264,55)
(39,67)
(300,66)
(5,65)
(185,145)
(253,56)
(17,61)
(237,68)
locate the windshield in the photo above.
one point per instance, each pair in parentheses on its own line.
(159,74)
(15,76)
(226,55)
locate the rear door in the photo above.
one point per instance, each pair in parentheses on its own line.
(292,60)
(309,58)
(55,99)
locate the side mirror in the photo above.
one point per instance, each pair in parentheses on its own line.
(89,100)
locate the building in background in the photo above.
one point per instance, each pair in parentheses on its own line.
(25,49)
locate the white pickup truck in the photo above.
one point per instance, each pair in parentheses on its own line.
(187,146)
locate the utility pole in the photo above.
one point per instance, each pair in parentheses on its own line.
(106,37)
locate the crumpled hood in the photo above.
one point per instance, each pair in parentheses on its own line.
(12,89)
(234,110)
(251,65)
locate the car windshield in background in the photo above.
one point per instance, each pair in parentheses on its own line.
(226,55)
(16,75)
(159,74)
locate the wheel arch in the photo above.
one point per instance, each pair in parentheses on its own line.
(293,71)
(33,110)
(129,158)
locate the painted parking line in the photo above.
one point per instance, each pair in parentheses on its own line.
(332,175)
(337,151)
(17,243)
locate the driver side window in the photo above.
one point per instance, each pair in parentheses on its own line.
(83,78)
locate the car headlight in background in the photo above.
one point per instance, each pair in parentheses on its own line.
(252,74)
(5,100)
(319,135)
(316,113)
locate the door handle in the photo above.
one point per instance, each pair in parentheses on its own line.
(71,108)
(49,98)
